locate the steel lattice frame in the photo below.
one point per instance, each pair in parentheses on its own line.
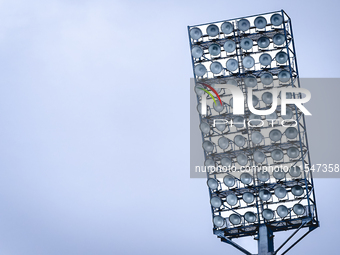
(291,221)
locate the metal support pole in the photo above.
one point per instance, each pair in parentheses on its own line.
(266,241)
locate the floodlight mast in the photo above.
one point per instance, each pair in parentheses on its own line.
(277,192)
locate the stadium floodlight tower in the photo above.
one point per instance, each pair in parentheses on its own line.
(258,176)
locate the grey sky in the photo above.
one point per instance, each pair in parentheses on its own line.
(94,153)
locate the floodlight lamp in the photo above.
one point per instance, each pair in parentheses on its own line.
(205,128)
(275,135)
(229,46)
(284,76)
(248,197)
(248,62)
(276,19)
(232,65)
(282,211)
(223,142)
(246,43)
(216,202)
(260,22)
(250,81)
(212,30)
(299,209)
(280,192)
(293,152)
(265,194)
(291,132)
(219,221)
(267,97)
(227,28)
(242,159)
(246,178)
(212,183)
(279,173)
(229,181)
(278,39)
(259,156)
(235,219)
(281,57)
(226,162)
(250,217)
(200,70)
(268,214)
(265,59)
(216,67)
(266,78)
(263,42)
(214,49)
(295,171)
(232,199)
(208,146)
(197,52)
(277,154)
(218,106)
(263,176)
(239,140)
(195,33)
(256,137)
(297,190)
(243,24)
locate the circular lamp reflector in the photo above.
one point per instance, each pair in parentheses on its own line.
(291,132)
(198,89)
(295,171)
(218,90)
(243,24)
(199,108)
(209,162)
(218,221)
(272,116)
(299,209)
(210,165)
(263,42)
(265,59)
(232,82)
(220,127)
(255,100)
(215,202)
(280,192)
(256,137)
(214,49)
(275,135)
(278,39)
(246,178)
(223,142)
(281,57)
(229,181)
(250,81)
(276,19)
(263,176)
(284,76)
(200,70)
(297,190)
(238,122)
(212,183)
(229,46)
(293,152)
(216,67)
(260,22)
(265,194)
(218,107)
(227,27)
(195,33)
(232,199)
(226,162)
(205,128)
(289,114)
(212,30)
(248,62)
(197,52)
(248,197)
(267,97)
(232,65)
(250,217)
(279,173)
(259,156)
(268,214)
(255,119)
(242,159)
(282,211)
(235,219)
(208,146)
(246,43)
(239,140)
(277,154)
(266,78)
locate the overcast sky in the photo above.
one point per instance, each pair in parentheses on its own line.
(94,155)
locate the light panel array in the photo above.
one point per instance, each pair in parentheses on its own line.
(254,52)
